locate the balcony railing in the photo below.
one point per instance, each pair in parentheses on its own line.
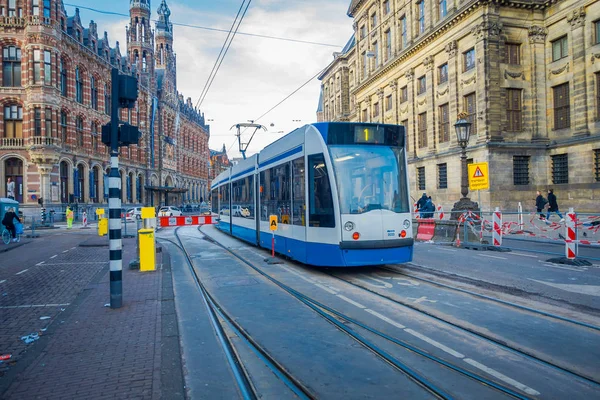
(13,22)
(44,141)
(11,143)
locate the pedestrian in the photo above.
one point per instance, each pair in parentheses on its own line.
(69,215)
(429,207)
(553,206)
(540,204)
(10,188)
(9,222)
(421,204)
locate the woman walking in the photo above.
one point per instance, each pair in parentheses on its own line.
(553,206)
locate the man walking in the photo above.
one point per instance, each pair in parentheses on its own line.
(421,204)
(540,203)
(553,206)
(10,189)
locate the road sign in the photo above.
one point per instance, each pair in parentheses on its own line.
(273,222)
(479,177)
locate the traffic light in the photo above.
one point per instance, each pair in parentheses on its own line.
(43,215)
(127,135)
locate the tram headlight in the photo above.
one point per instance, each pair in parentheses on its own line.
(349,226)
(406,224)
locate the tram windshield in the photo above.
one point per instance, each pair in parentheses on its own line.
(370,178)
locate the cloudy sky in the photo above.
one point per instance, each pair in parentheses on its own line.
(257,73)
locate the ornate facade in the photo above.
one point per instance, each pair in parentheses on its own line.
(526,73)
(55,99)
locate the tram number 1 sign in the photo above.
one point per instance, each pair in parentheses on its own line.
(273,222)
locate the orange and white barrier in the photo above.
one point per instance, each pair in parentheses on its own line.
(188,220)
(497,232)
(570,235)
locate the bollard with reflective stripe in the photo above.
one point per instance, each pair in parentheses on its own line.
(497,231)
(441,212)
(571,235)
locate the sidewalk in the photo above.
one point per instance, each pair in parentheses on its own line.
(91,351)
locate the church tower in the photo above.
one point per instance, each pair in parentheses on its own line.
(164,55)
(140,41)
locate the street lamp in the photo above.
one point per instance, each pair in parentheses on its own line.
(463,132)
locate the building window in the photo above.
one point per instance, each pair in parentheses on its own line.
(386,7)
(78,36)
(468,60)
(363,31)
(63,127)
(364,115)
(597,164)
(12,8)
(421,178)
(443,73)
(11,66)
(471,109)
(598,96)
(37,121)
(442,176)
(422,85)
(94,128)
(376,110)
(48,122)
(406,141)
(388,103)
(35,7)
(404,94)
(403,32)
(562,108)
(47,8)
(13,121)
(422,140)
(560,169)
(47,67)
(373,21)
(94,92)
(376,49)
(421,15)
(513,53)
(78,86)
(63,78)
(597,32)
(444,118)
(560,48)
(365,64)
(388,44)
(513,110)
(107,100)
(442,9)
(37,66)
(79,131)
(521,170)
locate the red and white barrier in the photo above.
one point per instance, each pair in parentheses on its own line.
(497,232)
(570,235)
(189,220)
(416,211)
(440,211)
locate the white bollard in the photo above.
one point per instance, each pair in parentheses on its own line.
(497,231)
(521,223)
(440,212)
(570,235)
(84,219)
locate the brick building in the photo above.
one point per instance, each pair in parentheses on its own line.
(219,162)
(55,97)
(527,74)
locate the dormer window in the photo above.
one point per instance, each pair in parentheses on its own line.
(78,35)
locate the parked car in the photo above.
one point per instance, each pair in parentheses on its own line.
(134,213)
(169,211)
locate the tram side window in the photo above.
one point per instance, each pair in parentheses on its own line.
(224,196)
(320,198)
(214,201)
(299,205)
(275,193)
(242,197)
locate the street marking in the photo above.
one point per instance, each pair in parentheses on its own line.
(35,306)
(485,255)
(434,343)
(65,251)
(25,270)
(592,290)
(445,249)
(578,269)
(325,288)
(74,263)
(40,263)
(524,255)
(73,248)
(351,301)
(386,319)
(2,281)
(54,256)
(384,285)
(502,377)
(421,299)
(298,274)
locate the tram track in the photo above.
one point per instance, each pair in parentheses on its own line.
(338,318)
(483,336)
(215,311)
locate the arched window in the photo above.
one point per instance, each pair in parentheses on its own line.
(13,121)
(94,92)
(94,130)
(79,131)
(106,99)
(11,66)
(78,86)
(63,78)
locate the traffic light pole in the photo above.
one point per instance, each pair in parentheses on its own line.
(114,200)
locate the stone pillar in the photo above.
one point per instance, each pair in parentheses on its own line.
(380,96)
(45,157)
(537,39)
(44,170)
(454,106)
(133,189)
(410,78)
(579,99)
(428,62)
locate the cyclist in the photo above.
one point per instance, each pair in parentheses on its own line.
(8,222)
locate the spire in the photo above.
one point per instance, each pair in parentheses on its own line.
(163,18)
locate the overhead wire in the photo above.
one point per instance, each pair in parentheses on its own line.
(207,28)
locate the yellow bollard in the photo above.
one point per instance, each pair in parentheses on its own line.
(102,226)
(147,250)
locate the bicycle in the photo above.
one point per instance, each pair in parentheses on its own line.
(6,236)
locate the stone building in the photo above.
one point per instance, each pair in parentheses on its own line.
(526,73)
(55,97)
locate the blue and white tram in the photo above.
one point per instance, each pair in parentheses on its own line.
(339,191)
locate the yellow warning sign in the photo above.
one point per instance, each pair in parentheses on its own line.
(273,222)
(479,177)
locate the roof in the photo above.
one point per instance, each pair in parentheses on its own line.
(350,45)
